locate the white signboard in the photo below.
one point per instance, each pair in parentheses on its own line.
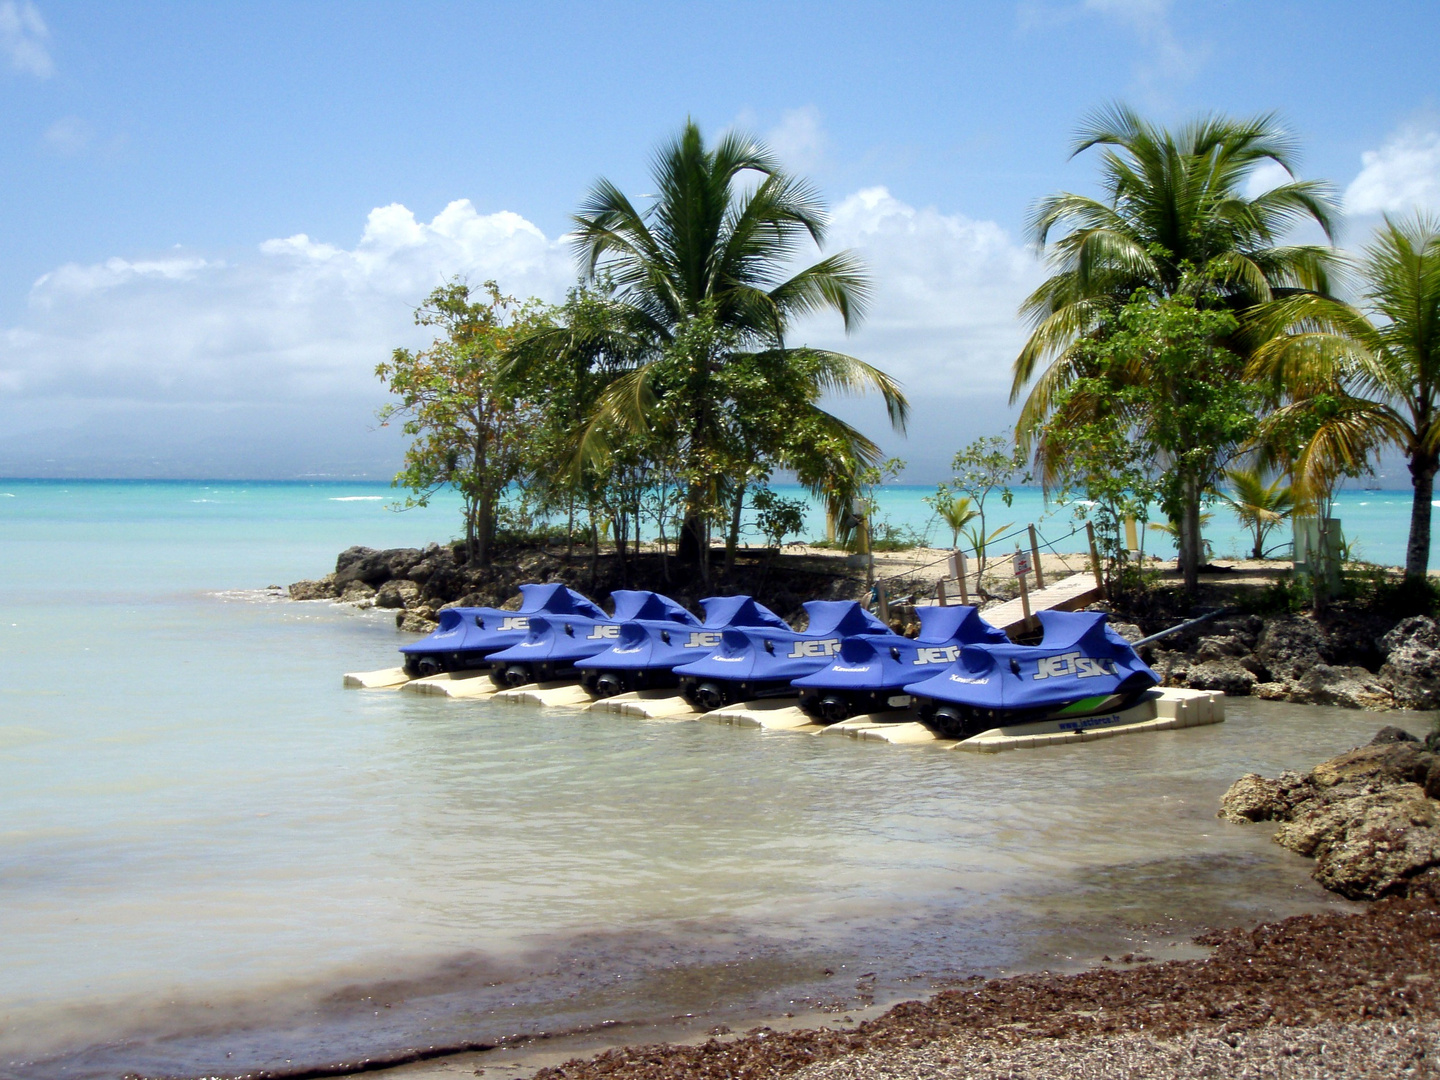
(1022,563)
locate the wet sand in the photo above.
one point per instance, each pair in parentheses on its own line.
(1331,995)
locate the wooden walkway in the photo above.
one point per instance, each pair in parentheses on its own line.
(1068,594)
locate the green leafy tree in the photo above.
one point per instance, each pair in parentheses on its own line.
(778,517)
(1161,373)
(1367,377)
(699,278)
(1172,212)
(468,428)
(988,466)
(1105,459)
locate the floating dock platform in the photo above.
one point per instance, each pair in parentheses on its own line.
(454,684)
(1163,709)
(385,679)
(553,694)
(772,714)
(648,705)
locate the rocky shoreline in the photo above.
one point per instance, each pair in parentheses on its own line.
(1367,662)
(1357,660)
(1369,818)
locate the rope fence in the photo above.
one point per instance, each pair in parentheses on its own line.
(881,599)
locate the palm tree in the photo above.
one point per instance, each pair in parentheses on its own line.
(956,512)
(699,280)
(1173,214)
(1368,377)
(1261,507)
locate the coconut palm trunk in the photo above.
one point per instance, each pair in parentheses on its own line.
(1417,550)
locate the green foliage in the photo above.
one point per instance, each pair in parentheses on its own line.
(1155,410)
(1360,380)
(700,312)
(986,467)
(1261,507)
(956,511)
(860,527)
(1174,223)
(778,517)
(467,424)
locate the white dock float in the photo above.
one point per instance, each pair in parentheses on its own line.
(648,705)
(553,694)
(773,714)
(1167,710)
(454,684)
(384,679)
(899,728)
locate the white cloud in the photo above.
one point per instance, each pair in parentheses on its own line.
(1401,176)
(23,34)
(1266,177)
(799,140)
(262,363)
(297,320)
(947,287)
(68,135)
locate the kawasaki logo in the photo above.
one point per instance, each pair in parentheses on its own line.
(1073,663)
(702,640)
(604,630)
(824,647)
(514,622)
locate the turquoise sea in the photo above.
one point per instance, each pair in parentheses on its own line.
(215,860)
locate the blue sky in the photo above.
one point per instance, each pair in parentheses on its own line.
(216,217)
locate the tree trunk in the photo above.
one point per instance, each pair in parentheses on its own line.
(471,548)
(692,536)
(1189,530)
(594,547)
(1417,551)
(732,541)
(484,527)
(570,530)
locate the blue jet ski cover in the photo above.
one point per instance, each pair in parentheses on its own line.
(880,664)
(775,655)
(566,639)
(487,629)
(1078,657)
(660,646)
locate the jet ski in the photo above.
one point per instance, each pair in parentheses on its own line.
(466,636)
(871,671)
(1079,668)
(556,643)
(755,663)
(647,651)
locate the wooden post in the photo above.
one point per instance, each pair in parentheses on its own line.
(1094,555)
(940,597)
(1022,566)
(956,559)
(1035,551)
(882,603)
(1024,601)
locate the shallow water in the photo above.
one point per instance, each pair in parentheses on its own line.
(214,859)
